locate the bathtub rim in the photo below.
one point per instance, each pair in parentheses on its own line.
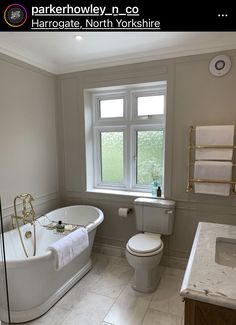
(91,226)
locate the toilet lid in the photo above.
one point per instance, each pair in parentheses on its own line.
(145,243)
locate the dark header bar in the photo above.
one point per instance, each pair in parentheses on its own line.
(75,15)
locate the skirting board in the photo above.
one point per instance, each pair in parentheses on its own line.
(170,261)
(175,262)
(107,249)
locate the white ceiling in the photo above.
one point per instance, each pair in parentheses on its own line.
(59,52)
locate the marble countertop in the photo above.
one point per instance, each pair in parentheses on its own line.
(204,279)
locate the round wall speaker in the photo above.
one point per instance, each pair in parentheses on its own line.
(220,65)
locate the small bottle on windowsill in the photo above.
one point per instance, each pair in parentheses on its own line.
(159,191)
(154,188)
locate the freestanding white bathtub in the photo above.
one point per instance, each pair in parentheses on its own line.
(34,285)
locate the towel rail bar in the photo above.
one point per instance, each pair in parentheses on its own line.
(233,165)
(190,180)
(195,180)
(193,128)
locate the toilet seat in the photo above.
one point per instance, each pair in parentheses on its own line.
(145,244)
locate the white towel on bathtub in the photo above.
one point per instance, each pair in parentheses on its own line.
(70,246)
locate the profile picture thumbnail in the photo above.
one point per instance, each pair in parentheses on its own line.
(15,15)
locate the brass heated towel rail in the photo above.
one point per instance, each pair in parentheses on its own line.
(190,179)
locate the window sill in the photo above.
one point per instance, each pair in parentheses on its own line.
(122,193)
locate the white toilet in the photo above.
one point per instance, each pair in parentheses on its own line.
(154,217)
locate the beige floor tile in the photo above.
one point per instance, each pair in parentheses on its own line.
(176,306)
(155,317)
(112,281)
(72,297)
(166,297)
(129,308)
(100,262)
(90,311)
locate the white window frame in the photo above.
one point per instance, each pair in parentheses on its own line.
(129,124)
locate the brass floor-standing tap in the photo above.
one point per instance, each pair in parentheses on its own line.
(27,216)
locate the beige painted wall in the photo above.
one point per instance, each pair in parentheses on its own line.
(28,143)
(194,98)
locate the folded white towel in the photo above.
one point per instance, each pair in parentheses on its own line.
(221,135)
(213,170)
(68,247)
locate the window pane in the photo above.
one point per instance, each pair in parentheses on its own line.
(112,157)
(111,108)
(150,105)
(149,166)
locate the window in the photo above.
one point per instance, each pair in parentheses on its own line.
(111,108)
(150,105)
(149,156)
(128,137)
(112,148)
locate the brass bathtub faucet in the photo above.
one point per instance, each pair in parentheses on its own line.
(28,216)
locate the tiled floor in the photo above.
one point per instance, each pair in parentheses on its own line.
(104,296)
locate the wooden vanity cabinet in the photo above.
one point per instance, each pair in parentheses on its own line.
(201,313)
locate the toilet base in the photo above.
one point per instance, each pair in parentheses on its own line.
(147,272)
(146,281)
